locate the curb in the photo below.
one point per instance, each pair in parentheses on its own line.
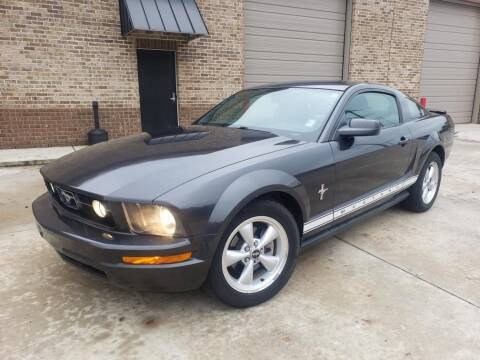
(25,162)
(34,156)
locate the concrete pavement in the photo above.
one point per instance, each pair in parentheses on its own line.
(399,286)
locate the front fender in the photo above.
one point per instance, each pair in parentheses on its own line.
(250,186)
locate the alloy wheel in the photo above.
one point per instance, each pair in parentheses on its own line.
(430,182)
(255,254)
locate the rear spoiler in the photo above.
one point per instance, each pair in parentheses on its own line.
(439,112)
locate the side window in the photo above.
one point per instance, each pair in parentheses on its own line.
(414,111)
(376,106)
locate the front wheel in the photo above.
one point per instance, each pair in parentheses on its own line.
(424,192)
(257,255)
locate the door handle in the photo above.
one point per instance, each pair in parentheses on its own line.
(403,141)
(174,97)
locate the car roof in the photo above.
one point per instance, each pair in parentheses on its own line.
(329,85)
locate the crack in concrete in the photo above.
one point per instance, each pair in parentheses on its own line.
(409,273)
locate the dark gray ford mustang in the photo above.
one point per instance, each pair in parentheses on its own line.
(232,199)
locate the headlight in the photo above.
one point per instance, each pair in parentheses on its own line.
(151,219)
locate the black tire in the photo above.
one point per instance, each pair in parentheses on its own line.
(217,280)
(415,201)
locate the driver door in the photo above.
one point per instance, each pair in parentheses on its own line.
(366,163)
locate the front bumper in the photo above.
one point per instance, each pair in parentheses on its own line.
(86,245)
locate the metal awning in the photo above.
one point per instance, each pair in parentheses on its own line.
(171,16)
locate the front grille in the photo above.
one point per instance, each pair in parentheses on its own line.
(80,206)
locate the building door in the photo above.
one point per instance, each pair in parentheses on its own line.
(157,86)
(293,40)
(450,59)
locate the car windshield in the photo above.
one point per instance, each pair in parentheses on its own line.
(293,112)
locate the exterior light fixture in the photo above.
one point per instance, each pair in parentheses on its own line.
(99,208)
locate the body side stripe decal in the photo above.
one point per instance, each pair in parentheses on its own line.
(337,213)
(322,220)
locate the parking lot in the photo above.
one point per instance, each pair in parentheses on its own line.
(399,286)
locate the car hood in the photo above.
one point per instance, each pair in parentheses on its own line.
(141,168)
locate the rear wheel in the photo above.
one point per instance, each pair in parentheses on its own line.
(424,192)
(257,255)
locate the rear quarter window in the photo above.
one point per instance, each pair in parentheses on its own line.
(413,110)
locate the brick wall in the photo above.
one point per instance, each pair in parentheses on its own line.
(387,42)
(58,56)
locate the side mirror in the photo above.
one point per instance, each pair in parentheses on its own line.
(360,127)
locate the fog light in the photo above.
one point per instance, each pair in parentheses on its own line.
(99,208)
(155,260)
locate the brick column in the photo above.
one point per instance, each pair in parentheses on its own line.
(387,42)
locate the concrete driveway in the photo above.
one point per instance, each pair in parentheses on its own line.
(399,286)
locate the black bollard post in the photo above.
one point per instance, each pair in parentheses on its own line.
(97,134)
